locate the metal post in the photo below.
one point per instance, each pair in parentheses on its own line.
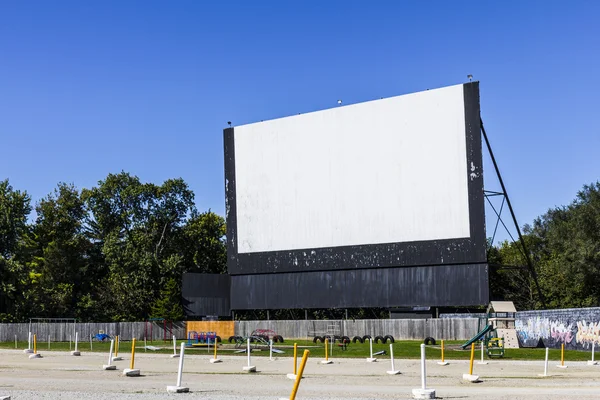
(392,356)
(371,348)
(132,354)
(299,376)
(423,370)
(546,363)
(180,370)
(514,218)
(248,350)
(270,349)
(76,339)
(174,345)
(112,344)
(593,349)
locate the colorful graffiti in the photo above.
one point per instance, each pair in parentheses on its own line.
(534,329)
(587,333)
(574,333)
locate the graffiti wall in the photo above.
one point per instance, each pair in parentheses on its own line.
(577,328)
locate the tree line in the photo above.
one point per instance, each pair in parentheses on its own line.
(117,252)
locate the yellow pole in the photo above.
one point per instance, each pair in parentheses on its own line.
(132,354)
(299,376)
(215,349)
(34,344)
(326,352)
(472,357)
(295,358)
(562,354)
(442,350)
(117,347)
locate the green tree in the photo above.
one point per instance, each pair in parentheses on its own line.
(15,207)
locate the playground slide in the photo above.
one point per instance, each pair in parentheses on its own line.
(477,337)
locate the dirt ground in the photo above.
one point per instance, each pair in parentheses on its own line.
(60,375)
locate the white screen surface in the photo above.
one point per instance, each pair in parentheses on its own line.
(385,171)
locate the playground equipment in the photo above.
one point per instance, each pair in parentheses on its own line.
(202,339)
(167,327)
(267,334)
(501,315)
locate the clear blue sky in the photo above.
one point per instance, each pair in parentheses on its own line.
(93,87)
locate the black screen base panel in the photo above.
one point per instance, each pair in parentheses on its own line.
(440,285)
(206,294)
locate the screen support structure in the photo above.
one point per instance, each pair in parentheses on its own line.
(506,200)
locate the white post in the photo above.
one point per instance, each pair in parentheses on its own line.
(15,341)
(271,350)
(48,341)
(331,347)
(423,371)
(546,363)
(392,356)
(91,348)
(593,349)
(112,343)
(174,345)
(371,348)
(180,370)
(248,351)
(482,350)
(145,344)
(76,339)
(29,341)
(70,342)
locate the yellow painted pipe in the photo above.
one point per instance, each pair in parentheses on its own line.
(295,358)
(34,344)
(117,347)
(215,348)
(299,376)
(326,349)
(132,354)
(472,358)
(562,354)
(442,350)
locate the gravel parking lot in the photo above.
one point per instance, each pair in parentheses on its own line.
(58,375)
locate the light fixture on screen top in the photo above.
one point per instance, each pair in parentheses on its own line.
(339,102)
(229,123)
(470,77)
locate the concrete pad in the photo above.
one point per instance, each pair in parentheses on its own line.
(109,367)
(251,368)
(543,375)
(28,351)
(562,366)
(443,363)
(590,362)
(177,389)
(371,360)
(423,393)
(174,355)
(36,355)
(75,353)
(482,363)
(471,378)
(326,362)
(393,372)
(215,360)
(131,372)
(4,397)
(117,358)
(291,376)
